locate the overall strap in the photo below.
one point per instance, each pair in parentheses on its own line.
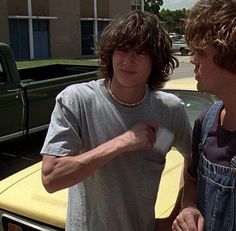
(207,123)
(209,119)
(233,162)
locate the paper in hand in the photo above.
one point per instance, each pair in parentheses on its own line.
(164,139)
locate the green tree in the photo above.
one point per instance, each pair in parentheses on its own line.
(166,15)
(178,14)
(174,19)
(153,6)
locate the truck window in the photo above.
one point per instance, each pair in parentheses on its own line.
(2,75)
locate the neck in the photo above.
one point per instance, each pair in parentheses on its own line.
(228,118)
(129,101)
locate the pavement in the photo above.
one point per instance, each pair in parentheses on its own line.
(185,69)
(183,58)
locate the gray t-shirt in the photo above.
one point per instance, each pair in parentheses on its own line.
(122,194)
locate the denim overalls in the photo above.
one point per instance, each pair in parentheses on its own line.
(216,185)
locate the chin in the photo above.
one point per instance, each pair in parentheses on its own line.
(199,88)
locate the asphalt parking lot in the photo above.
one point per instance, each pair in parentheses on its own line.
(185,69)
(183,58)
(20,153)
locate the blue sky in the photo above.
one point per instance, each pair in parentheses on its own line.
(177,4)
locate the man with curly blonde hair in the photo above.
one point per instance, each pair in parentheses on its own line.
(209,198)
(101,136)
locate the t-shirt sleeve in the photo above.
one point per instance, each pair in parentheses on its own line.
(192,168)
(182,131)
(63,136)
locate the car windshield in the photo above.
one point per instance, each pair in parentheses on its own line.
(195,102)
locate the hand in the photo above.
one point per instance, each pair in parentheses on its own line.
(189,219)
(163,224)
(141,136)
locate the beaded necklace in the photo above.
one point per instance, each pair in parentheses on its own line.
(122,102)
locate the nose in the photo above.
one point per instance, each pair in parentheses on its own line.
(129,58)
(194,59)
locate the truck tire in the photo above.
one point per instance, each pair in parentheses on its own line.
(184,51)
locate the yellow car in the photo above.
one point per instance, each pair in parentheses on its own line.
(26,206)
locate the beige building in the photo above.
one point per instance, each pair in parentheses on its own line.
(57,28)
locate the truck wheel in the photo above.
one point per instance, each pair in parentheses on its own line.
(184,51)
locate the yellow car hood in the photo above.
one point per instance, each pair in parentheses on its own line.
(25,188)
(24,194)
(187,83)
(169,185)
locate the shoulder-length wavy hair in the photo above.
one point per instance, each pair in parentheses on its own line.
(139,31)
(213,22)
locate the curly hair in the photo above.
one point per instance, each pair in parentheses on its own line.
(213,22)
(138,31)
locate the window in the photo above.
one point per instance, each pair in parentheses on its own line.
(41,38)
(136,4)
(19,38)
(101,27)
(2,75)
(87,35)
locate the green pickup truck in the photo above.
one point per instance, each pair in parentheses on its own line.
(27,96)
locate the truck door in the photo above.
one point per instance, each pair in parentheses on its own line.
(41,100)
(11,109)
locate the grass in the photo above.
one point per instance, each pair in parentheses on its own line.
(35,63)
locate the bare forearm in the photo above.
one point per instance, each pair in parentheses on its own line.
(63,172)
(190,218)
(66,171)
(189,198)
